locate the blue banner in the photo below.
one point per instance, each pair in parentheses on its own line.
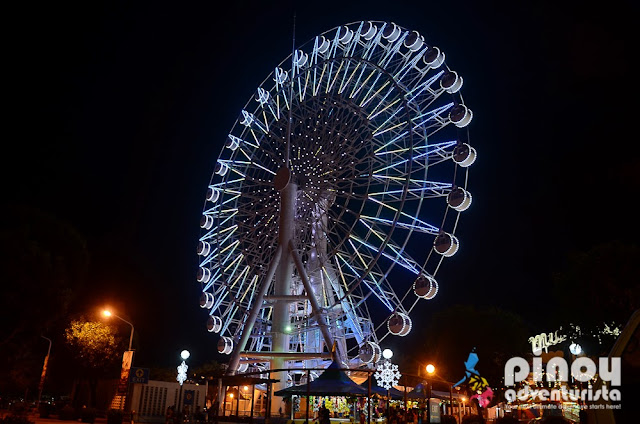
(188,397)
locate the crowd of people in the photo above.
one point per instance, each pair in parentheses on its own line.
(198,416)
(411,416)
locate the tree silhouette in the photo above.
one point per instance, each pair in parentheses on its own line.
(43,263)
(97,350)
(599,286)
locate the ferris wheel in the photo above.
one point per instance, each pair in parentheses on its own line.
(335,199)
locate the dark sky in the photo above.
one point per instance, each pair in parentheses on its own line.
(121,109)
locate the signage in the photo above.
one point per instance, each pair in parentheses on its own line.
(434,411)
(44,372)
(123,383)
(475,382)
(139,375)
(544,340)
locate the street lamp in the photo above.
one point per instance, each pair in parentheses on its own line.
(430,371)
(433,375)
(182,376)
(464,399)
(127,363)
(107,313)
(387,354)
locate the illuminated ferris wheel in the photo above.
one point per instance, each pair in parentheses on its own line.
(335,199)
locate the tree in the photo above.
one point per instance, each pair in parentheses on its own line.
(43,262)
(599,286)
(210,369)
(96,348)
(95,343)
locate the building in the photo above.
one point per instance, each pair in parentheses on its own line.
(151,400)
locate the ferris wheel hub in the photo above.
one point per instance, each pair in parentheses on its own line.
(282,178)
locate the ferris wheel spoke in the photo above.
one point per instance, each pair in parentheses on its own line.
(416,224)
(346,304)
(391,250)
(413,184)
(301,82)
(411,63)
(246,154)
(345,81)
(250,290)
(251,121)
(222,220)
(390,51)
(393,253)
(373,286)
(242,276)
(426,90)
(233,266)
(372,47)
(383,105)
(231,319)
(383,130)
(240,142)
(212,281)
(217,209)
(371,94)
(433,118)
(429,155)
(358,85)
(375,113)
(429,189)
(331,82)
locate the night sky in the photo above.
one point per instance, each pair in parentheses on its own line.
(118,112)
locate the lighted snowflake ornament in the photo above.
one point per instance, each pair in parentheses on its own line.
(387,375)
(182,372)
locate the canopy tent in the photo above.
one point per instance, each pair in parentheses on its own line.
(381,391)
(420,392)
(332,382)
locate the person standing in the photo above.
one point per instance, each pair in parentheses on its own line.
(168,418)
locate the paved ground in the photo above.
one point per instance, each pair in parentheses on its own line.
(39,420)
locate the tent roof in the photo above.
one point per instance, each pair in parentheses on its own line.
(377,390)
(332,382)
(243,380)
(419,393)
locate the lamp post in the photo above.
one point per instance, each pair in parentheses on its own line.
(182,376)
(44,371)
(430,370)
(108,313)
(387,354)
(433,375)
(126,364)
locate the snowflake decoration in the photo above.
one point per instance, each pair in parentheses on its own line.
(182,372)
(387,375)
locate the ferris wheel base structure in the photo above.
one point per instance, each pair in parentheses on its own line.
(356,144)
